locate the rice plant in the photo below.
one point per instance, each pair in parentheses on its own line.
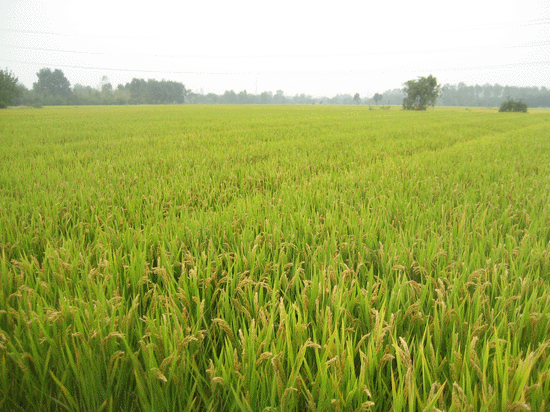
(283,258)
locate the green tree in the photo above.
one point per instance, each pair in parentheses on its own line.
(266,98)
(229,97)
(356,98)
(243,97)
(377,97)
(9,89)
(52,83)
(421,93)
(86,95)
(137,88)
(174,92)
(513,106)
(107,91)
(279,97)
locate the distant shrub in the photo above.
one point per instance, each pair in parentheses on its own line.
(37,106)
(3,105)
(513,106)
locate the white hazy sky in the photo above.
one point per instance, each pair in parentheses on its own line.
(312,47)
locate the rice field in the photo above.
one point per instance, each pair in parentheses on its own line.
(279,258)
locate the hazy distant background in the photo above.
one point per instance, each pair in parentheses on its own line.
(312,47)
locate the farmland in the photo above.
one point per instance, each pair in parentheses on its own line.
(277,258)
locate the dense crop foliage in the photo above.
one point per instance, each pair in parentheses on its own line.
(274,258)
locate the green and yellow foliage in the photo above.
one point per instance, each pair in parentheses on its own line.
(289,258)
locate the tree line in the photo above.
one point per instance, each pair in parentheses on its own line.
(53,88)
(487,95)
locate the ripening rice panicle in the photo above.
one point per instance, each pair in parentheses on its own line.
(183,258)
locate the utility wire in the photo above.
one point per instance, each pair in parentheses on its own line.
(488,26)
(67,66)
(280,56)
(268,56)
(97,36)
(256,72)
(537,22)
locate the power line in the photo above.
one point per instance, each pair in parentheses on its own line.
(497,66)
(497,25)
(268,56)
(531,44)
(67,66)
(292,72)
(488,26)
(280,56)
(55,50)
(96,36)
(536,22)
(500,25)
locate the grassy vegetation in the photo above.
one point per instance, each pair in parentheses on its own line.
(274,258)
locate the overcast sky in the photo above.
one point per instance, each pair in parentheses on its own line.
(311,47)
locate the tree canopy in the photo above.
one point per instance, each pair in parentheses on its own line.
(421,93)
(52,82)
(513,106)
(152,91)
(9,89)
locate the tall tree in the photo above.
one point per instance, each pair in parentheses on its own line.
(377,97)
(137,88)
(172,92)
(421,93)
(243,97)
(279,97)
(266,98)
(106,92)
(52,82)
(229,97)
(9,90)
